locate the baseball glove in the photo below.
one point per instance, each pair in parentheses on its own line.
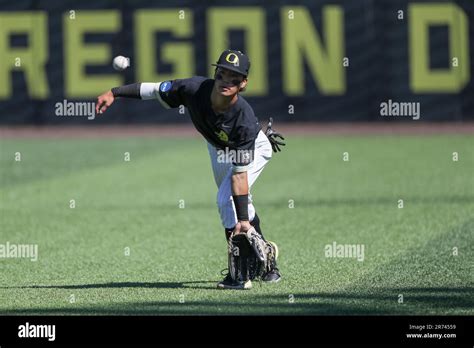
(274,137)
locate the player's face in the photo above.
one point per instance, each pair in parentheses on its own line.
(228,82)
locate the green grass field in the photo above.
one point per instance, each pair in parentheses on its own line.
(176,255)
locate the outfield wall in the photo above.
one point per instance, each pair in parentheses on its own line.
(311,60)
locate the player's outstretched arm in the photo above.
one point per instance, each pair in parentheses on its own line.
(141,90)
(127,91)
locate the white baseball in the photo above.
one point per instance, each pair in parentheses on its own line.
(121,63)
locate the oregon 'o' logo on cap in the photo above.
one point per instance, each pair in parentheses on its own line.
(233,59)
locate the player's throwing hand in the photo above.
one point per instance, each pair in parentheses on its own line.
(103,102)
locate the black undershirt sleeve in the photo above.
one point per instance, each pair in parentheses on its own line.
(127,91)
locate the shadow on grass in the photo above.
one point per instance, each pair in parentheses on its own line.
(112,285)
(376,302)
(430,297)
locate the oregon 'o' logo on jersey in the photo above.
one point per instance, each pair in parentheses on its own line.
(222,136)
(233,59)
(165,86)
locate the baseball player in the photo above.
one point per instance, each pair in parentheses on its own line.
(239,150)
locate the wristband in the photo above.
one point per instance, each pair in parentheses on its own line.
(241,203)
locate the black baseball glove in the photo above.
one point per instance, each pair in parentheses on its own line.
(274,137)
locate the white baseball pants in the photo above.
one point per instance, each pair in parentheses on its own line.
(223,177)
